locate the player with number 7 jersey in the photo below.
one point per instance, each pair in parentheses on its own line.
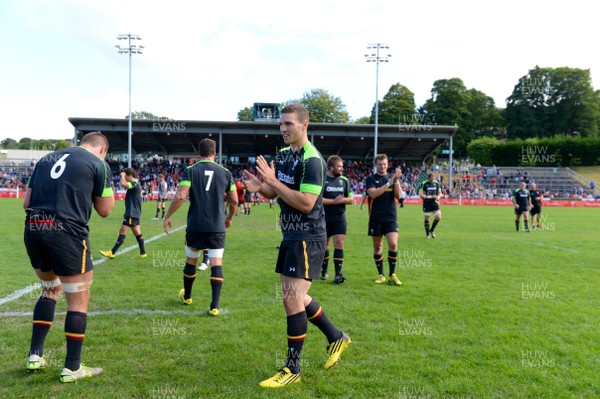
(208,182)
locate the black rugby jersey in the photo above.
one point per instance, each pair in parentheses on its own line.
(382,208)
(432,189)
(63,185)
(521,197)
(133,200)
(534,194)
(303,171)
(335,186)
(208,182)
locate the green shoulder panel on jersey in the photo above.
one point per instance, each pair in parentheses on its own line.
(107,192)
(350,193)
(310,151)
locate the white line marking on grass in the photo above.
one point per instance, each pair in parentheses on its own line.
(125,312)
(19,293)
(24,291)
(537,243)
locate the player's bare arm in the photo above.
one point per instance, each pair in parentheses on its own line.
(104,205)
(379,191)
(27,199)
(124,182)
(396,183)
(180,196)
(232,201)
(304,202)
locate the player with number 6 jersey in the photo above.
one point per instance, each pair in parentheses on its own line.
(63,189)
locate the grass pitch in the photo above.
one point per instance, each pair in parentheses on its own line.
(483,312)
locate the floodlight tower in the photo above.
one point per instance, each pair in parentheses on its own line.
(130,49)
(377,58)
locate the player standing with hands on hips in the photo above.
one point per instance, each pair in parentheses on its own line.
(297,177)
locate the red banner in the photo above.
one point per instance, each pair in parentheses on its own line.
(120,195)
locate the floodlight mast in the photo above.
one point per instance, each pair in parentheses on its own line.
(377,58)
(130,49)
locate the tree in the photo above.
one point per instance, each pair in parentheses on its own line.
(62,144)
(484,118)
(397,107)
(323,107)
(245,114)
(549,101)
(474,112)
(8,143)
(449,105)
(363,120)
(25,143)
(145,115)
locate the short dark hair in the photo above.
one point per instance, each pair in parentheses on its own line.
(130,172)
(332,160)
(94,139)
(298,109)
(207,147)
(381,157)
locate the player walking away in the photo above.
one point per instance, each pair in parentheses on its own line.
(336,196)
(536,206)
(133,213)
(297,176)
(206,182)
(239,186)
(163,189)
(383,189)
(522,202)
(63,188)
(431,193)
(247,202)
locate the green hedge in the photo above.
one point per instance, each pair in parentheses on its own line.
(554,151)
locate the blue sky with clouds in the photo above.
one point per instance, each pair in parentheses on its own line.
(208,60)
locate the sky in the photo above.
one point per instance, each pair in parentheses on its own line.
(208,60)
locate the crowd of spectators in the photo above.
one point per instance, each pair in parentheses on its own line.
(470,180)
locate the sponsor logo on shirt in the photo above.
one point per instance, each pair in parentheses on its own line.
(285,178)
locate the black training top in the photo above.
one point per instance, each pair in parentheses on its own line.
(64,184)
(208,182)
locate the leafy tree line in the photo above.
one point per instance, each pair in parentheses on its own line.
(545,102)
(27,143)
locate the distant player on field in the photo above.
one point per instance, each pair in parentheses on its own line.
(384,189)
(536,206)
(522,202)
(206,182)
(247,202)
(133,213)
(63,188)
(163,189)
(431,194)
(239,186)
(336,196)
